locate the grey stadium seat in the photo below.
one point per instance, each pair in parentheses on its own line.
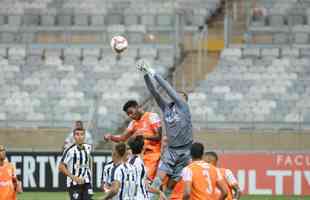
(280,38)
(301,38)
(136,33)
(131,17)
(148,19)
(14,20)
(31,20)
(48,20)
(97,20)
(64,20)
(81,20)
(114,18)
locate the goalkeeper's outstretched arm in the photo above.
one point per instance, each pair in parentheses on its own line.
(170,90)
(160,100)
(144,67)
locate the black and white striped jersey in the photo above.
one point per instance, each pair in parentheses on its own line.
(77,159)
(106,174)
(141,175)
(126,175)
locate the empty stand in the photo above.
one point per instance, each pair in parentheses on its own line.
(255,88)
(45,86)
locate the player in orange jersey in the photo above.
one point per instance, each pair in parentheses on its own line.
(9,185)
(148,125)
(231,184)
(201,178)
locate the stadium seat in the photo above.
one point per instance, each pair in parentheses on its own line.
(136,34)
(48,19)
(131,17)
(80,20)
(14,20)
(114,18)
(97,20)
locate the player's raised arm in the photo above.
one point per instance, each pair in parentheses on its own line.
(144,67)
(149,84)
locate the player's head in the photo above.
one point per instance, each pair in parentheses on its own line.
(133,109)
(119,152)
(136,144)
(197,150)
(79,135)
(211,157)
(2,153)
(183,95)
(79,124)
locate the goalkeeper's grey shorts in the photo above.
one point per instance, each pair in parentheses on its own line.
(174,160)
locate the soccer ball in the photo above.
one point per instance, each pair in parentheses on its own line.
(119,44)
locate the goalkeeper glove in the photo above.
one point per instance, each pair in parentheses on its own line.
(144,67)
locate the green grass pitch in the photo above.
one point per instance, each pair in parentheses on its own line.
(64,196)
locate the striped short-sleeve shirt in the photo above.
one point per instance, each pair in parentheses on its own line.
(141,176)
(77,158)
(125,174)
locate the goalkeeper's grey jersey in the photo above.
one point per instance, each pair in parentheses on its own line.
(177,116)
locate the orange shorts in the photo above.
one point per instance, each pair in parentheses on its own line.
(151,162)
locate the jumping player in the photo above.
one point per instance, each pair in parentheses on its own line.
(148,125)
(177,119)
(231,184)
(201,178)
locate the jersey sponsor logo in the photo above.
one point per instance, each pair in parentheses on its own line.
(172,117)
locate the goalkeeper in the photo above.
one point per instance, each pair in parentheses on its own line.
(177,119)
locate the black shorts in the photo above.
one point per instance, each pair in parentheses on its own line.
(81,192)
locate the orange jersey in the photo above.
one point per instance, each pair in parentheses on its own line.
(147,125)
(230,181)
(203,178)
(7,189)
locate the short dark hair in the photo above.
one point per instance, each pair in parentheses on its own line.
(136,144)
(213,154)
(197,150)
(79,121)
(130,103)
(78,129)
(120,149)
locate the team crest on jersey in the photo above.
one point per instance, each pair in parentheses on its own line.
(172,117)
